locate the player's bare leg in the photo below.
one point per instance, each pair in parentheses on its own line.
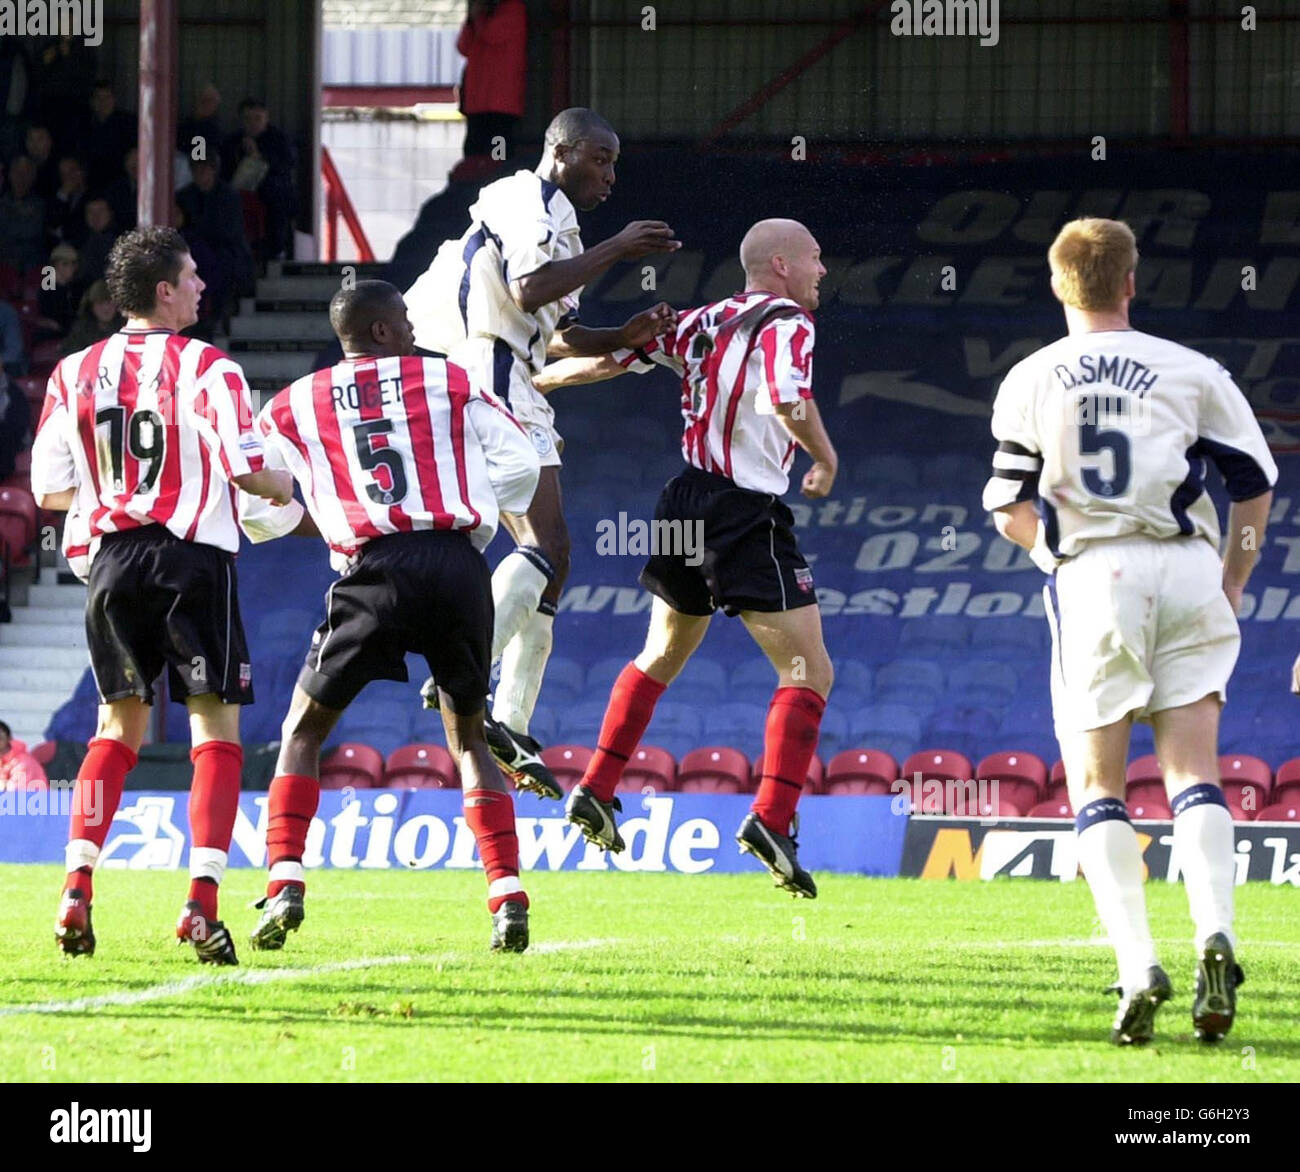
(214,801)
(1111,859)
(1187,740)
(110,756)
(291,805)
(792,640)
(490,815)
(671,641)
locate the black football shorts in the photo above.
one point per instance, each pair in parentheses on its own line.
(429,592)
(157,601)
(728,547)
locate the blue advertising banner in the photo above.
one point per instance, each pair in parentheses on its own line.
(425,829)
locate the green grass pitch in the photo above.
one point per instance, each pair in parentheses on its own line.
(631,977)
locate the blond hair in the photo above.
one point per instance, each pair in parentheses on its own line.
(1090,259)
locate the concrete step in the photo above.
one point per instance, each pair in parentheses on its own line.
(279,326)
(320,288)
(274,366)
(58,681)
(40,636)
(313,305)
(14,659)
(47,593)
(362,270)
(53,616)
(39,705)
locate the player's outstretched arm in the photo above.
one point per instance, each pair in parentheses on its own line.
(804,423)
(1247,521)
(272,483)
(579,341)
(577,372)
(558,278)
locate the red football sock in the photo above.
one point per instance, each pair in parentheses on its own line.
(793,720)
(291,805)
(491,816)
(214,801)
(631,705)
(95,799)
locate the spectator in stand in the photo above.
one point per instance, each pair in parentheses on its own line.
(108,135)
(40,149)
(14,75)
(18,768)
(214,214)
(61,84)
(203,125)
(13,354)
(22,217)
(259,157)
(60,303)
(15,426)
(65,213)
(97,319)
(494,42)
(100,234)
(124,192)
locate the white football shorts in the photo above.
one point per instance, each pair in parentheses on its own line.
(493,365)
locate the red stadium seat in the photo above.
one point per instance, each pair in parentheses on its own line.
(1280,812)
(44,752)
(18,503)
(861,771)
(567,762)
(813,783)
(1238,811)
(46,355)
(1149,810)
(352,764)
(1286,786)
(1057,789)
(421,767)
(1240,773)
(1145,769)
(1059,808)
(1021,777)
(714,770)
(650,766)
(33,390)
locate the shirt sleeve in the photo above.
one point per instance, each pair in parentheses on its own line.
(526,236)
(643,359)
(223,413)
(513,466)
(258,517)
(1230,435)
(784,348)
(53,466)
(1018,459)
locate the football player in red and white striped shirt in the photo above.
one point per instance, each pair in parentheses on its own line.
(746,369)
(146,437)
(405,465)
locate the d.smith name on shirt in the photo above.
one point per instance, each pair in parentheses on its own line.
(1125,374)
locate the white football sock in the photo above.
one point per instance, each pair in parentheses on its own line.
(80,852)
(1205,850)
(207,862)
(1112,864)
(522,668)
(517,586)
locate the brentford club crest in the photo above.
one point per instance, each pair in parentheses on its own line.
(803,578)
(245,674)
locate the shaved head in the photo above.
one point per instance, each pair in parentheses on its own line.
(356,311)
(782,257)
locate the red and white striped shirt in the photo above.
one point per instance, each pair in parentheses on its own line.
(388,445)
(149,427)
(738,360)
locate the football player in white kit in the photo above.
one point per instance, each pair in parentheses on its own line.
(497,301)
(1103,439)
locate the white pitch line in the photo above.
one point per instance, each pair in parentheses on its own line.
(262,977)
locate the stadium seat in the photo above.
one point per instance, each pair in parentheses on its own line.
(938,765)
(1056,786)
(33,390)
(383,736)
(1052,809)
(894,728)
(714,770)
(352,764)
(650,766)
(1145,782)
(567,762)
(44,752)
(1149,809)
(1021,777)
(934,638)
(1018,641)
(734,722)
(1280,812)
(967,803)
(564,682)
(702,681)
(1240,775)
(907,681)
(865,771)
(1286,786)
(981,683)
(754,673)
(422,766)
(676,726)
(17,519)
(601,676)
(813,782)
(851,675)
